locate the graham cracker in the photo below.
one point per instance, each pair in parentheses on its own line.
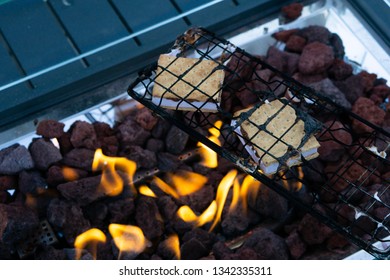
(189,79)
(271,129)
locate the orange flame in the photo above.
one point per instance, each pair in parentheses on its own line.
(90,239)
(209,157)
(249,189)
(69,173)
(222,192)
(145,190)
(173,244)
(298,184)
(183,183)
(127,238)
(186,214)
(111,183)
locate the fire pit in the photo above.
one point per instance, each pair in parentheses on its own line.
(173,184)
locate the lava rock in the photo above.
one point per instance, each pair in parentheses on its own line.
(316,58)
(161,129)
(17,223)
(368,80)
(167,162)
(142,157)
(79,158)
(316,33)
(61,174)
(50,253)
(68,218)
(267,244)
(44,153)
(284,35)
(131,133)
(121,210)
(167,207)
(313,231)
(352,87)
(292,11)
(4,197)
(246,95)
(145,118)
(31,182)
(83,135)
(366,108)
(340,70)
(8,182)
(238,70)
(333,141)
(176,140)
(83,191)
(193,249)
(337,44)
(50,128)
(148,218)
(155,145)
(295,43)
(14,159)
(328,89)
(295,245)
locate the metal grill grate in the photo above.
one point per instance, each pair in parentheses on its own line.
(353,197)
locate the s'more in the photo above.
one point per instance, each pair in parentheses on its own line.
(274,135)
(187,83)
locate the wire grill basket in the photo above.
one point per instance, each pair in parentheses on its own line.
(350,195)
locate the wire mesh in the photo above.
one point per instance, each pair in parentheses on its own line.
(279,131)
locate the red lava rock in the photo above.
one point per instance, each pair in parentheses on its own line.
(83,191)
(334,141)
(295,245)
(336,242)
(313,231)
(315,33)
(83,135)
(96,214)
(270,204)
(50,128)
(239,70)
(160,129)
(79,158)
(148,218)
(44,153)
(295,43)
(145,118)
(352,87)
(14,159)
(292,11)
(17,223)
(8,182)
(309,79)
(31,182)
(167,207)
(142,157)
(340,70)
(328,89)
(367,109)
(131,133)
(246,95)
(65,144)
(316,58)
(368,80)
(68,218)
(61,174)
(284,35)
(267,244)
(176,140)
(345,172)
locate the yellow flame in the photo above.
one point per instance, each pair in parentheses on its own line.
(186,214)
(183,183)
(186,182)
(70,174)
(111,183)
(236,195)
(173,243)
(89,239)
(165,187)
(249,189)
(145,190)
(127,238)
(209,157)
(222,192)
(298,184)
